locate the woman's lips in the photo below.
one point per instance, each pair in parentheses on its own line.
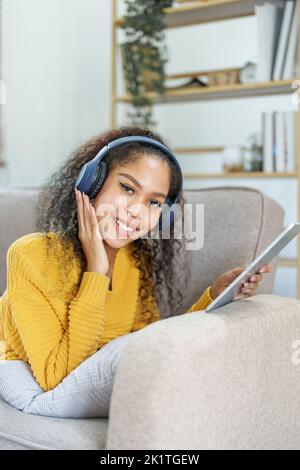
(121,231)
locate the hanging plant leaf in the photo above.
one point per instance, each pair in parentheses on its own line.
(144,55)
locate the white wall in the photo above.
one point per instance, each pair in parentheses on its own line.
(57,70)
(56,62)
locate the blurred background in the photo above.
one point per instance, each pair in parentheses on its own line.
(230,104)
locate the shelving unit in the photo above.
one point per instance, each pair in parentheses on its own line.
(237,174)
(212,92)
(196,13)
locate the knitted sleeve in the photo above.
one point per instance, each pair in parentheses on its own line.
(142,321)
(202,302)
(54,347)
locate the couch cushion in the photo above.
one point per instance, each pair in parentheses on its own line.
(20,430)
(252,220)
(17,219)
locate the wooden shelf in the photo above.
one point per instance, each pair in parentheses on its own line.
(229,91)
(197,149)
(245,174)
(197,13)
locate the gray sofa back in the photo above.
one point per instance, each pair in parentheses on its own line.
(239,222)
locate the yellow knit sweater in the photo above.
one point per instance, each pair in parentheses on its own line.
(56,333)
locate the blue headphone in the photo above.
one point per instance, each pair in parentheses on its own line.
(93,173)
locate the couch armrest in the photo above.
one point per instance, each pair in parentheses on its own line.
(225,380)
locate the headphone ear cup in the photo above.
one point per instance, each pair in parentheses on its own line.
(100,178)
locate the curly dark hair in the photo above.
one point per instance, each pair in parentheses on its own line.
(161,272)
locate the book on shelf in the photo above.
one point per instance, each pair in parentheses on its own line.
(268,18)
(274,140)
(280,159)
(290,126)
(277,39)
(267,142)
(289,69)
(284,40)
(279,141)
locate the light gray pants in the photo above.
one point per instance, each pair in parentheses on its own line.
(84,393)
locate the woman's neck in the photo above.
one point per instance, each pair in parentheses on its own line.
(111,253)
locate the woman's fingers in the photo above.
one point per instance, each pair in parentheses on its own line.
(248,291)
(256,278)
(86,212)
(267,268)
(249,288)
(80,216)
(94,220)
(250,285)
(242,295)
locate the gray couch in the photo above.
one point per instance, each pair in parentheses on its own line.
(225,380)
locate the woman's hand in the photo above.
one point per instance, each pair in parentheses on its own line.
(90,235)
(247,289)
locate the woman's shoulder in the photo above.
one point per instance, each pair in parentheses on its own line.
(31,243)
(37,250)
(31,256)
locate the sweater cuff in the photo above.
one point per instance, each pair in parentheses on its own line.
(94,286)
(205,299)
(202,302)
(208,294)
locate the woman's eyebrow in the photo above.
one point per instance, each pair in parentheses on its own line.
(139,185)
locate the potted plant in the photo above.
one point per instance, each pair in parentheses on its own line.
(144,55)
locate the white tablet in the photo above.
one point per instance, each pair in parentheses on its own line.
(265,257)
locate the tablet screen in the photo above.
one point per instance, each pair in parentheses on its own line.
(263,258)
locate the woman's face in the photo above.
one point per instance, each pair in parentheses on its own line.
(133,194)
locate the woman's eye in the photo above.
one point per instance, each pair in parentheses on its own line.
(126,187)
(156,202)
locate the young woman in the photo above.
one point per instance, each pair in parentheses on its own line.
(89,277)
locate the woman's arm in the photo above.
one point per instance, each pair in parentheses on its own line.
(224,281)
(202,302)
(54,348)
(139,322)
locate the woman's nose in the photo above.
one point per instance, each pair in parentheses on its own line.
(136,210)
